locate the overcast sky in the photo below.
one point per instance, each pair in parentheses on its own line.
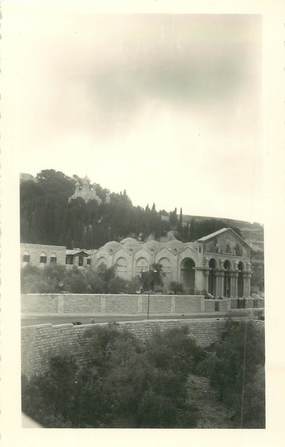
(164,106)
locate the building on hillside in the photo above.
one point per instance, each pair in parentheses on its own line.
(41,255)
(218,264)
(85,191)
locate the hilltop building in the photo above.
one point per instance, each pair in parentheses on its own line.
(218,263)
(85,191)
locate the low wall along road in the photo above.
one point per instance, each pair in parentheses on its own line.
(131,305)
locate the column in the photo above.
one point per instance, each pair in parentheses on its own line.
(217,291)
(234,284)
(246,284)
(206,276)
(220,276)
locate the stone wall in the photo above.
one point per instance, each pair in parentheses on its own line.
(96,304)
(40,342)
(120,304)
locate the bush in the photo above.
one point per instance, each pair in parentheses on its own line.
(56,278)
(176,287)
(125,383)
(233,367)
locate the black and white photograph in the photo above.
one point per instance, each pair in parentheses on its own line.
(143,296)
(137,144)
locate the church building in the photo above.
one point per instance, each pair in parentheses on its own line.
(217,264)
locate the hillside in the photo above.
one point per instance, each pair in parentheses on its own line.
(62,210)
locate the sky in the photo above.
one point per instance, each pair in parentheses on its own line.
(167,107)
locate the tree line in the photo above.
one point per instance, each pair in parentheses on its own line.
(47,216)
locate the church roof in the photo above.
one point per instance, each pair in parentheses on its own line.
(218,232)
(130,241)
(112,245)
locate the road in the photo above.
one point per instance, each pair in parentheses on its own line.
(59,319)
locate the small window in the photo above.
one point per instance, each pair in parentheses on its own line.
(26,258)
(89,261)
(43,259)
(53,259)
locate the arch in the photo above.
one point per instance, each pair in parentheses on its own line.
(188,275)
(153,246)
(112,246)
(240,280)
(212,276)
(227,279)
(121,267)
(166,268)
(142,265)
(102,262)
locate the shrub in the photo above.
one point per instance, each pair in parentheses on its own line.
(124,384)
(176,287)
(232,368)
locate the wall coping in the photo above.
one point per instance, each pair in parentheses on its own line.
(112,294)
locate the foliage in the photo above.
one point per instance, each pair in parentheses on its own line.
(125,383)
(236,370)
(152,278)
(176,287)
(58,279)
(48,217)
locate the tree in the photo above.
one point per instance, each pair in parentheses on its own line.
(176,287)
(232,369)
(152,278)
(124,383)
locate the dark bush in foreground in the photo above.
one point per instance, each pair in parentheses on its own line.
(235,368)
(130,384)
(125,384)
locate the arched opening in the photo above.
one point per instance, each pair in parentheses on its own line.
(141,266)
(212,277)
(121,267)
(166,269)
(227,279)
(240,279)
(188,275)
(102,264)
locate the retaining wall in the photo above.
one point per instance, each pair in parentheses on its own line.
(40,342)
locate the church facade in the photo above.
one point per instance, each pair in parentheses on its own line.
(217,264)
